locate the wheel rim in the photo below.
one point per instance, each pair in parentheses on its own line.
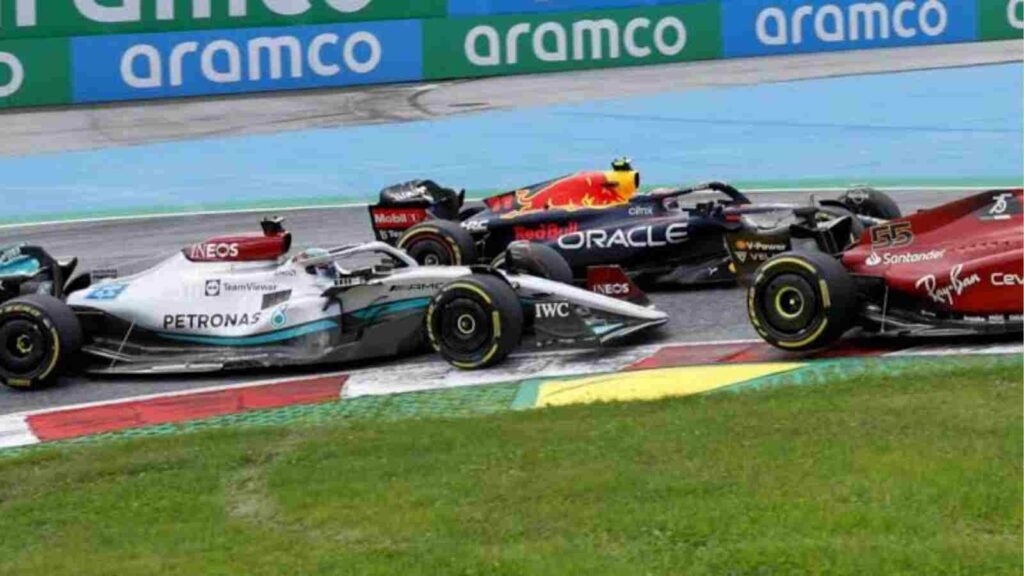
(789,302)
(23,346)
(790,305)
(465,327)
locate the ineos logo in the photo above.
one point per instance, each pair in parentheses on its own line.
(619,289)
(553,310)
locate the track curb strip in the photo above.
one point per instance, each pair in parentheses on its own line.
(315,399)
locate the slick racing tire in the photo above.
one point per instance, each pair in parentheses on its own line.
(475,322)
(38,335)
(802,301)
(870,202)
(439,243)
(538,260)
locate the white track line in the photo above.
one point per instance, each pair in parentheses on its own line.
(344,205)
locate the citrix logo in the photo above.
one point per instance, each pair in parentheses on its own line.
(16,72)
(861,21)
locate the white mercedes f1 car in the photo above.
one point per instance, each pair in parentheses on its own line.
(239,302)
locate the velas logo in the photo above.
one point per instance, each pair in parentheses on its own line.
(12,74)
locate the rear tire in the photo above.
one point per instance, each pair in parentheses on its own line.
(38,335)
(871,202)
(538,260)
(439,243)
(802,301)
(475,322)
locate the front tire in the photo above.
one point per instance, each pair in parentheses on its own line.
(475,322)
(38,335)
(802,301)
(439,243)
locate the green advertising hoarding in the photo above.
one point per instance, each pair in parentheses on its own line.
(59,18)
(1000,19)
(35,72)
(467,47)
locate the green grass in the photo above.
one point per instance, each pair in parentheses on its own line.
(919,473)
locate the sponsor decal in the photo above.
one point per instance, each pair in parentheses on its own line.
(547,232)
(475,225)
(213,251)
(398,218)
(1000,19)
(217,287)
(760,246)
(34,72)
(350,281)
(552,309)
(637,237)
(905,258)
(892,235)
(59,18)
(486,7)
(275,298)
(612,289)
(130,67)
(755,27)
(418,287)
(107,291)
(10,254)
(761,250)
(205,321)
(1004,206)
(641,210)
(947,294)
(521,43)
(286,272)
(1002,279)
(279,319)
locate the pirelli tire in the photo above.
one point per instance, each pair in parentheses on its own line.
(535,259)
(802,301)
(475,322)
(871,202)
(439,243)
(39,334)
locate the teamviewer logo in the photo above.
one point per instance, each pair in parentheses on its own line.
(213,287)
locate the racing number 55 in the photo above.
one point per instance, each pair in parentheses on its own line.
(895,235)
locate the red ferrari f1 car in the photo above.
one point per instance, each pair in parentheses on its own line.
(951,270)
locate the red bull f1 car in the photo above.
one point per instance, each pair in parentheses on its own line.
(593,218)
(240,301)
(957,269)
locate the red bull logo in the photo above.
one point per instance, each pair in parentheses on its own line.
(587,190)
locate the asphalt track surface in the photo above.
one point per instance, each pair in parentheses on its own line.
(132,245)
(697,315)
